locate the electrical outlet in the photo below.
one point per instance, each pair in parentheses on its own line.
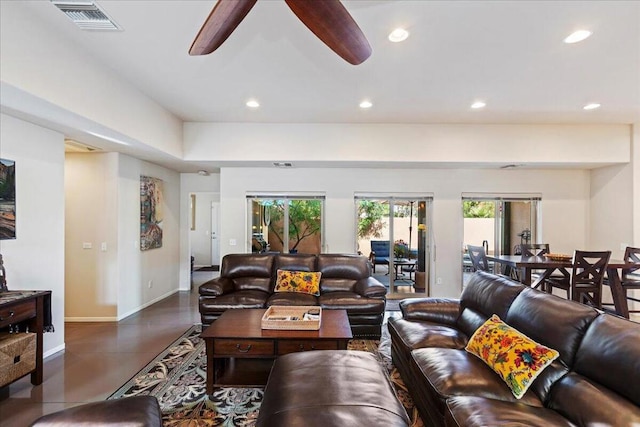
(233,242)
(87,245)
(150,284)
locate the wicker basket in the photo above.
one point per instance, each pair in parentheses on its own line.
(291,318)
(17,356)
(559,257)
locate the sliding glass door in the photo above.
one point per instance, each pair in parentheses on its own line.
(394,232)
(289,224)
(500,223)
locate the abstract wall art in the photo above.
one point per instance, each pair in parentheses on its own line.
(151,215)
(7,199)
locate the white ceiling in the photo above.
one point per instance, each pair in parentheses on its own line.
(507,53)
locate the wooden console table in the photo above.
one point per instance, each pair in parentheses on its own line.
(26,308)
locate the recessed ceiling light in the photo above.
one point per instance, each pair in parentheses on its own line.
(591,106)
(398,35)
(252,103)
(478,104)
(366,104)
(577,36)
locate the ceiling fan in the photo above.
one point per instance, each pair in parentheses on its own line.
(327,19)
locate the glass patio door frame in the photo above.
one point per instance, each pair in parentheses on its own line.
(393,199)
(500,200)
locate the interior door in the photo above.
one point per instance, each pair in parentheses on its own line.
(215,242)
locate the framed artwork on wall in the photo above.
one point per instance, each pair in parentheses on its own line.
(7,199)
(151,213)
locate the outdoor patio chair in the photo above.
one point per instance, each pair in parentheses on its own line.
(379,253)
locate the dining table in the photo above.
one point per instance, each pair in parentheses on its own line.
(526,266)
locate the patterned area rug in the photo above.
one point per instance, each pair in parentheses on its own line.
(176,377)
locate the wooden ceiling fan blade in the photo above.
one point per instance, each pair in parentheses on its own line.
(223,19)
(332,23)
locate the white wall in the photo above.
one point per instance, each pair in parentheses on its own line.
(200,237)
(436,144)
(159,266)
(91,218)
(562,191)
(191,183)
(103,205)
(35,259)
(55,68)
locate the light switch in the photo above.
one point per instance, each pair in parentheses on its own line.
(87,245)
(103,247)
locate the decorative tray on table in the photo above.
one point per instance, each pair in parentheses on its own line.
(559,257)
(301,317)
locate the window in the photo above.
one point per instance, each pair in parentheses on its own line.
(286,223)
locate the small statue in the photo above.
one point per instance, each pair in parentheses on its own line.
(3,276)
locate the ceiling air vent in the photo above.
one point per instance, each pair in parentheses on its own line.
(87,15)
(282,164)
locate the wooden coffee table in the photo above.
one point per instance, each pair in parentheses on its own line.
(240,353)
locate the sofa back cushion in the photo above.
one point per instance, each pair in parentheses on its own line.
(342,272)
(603,388)
(553,322)
(484,295)
(610,355)
(248,271)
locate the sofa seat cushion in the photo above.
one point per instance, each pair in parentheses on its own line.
(352,302)
(451,372)
(481,412)
(238,299)
(588,403)
(292,298)
(419,334)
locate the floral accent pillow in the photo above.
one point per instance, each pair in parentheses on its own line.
(306,282)
(516,358)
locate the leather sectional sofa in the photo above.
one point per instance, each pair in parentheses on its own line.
(595,381)
(248,281)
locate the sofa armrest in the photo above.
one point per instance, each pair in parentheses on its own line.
(216,287)
(438,310)
(370,288)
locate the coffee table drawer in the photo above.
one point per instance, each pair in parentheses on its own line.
(243,348)
(293,346)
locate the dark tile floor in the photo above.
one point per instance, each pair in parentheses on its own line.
(100,357)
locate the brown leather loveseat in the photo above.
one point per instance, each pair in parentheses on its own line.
(248,281)
(595,381)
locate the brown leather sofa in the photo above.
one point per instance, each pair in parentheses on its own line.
(248,280)
(594,382)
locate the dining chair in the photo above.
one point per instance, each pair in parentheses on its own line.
(630,276)
(530,250)
(534,249)
(478,258)
(585,282)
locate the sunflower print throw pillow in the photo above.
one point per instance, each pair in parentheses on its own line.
(516,358)
(306,282)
